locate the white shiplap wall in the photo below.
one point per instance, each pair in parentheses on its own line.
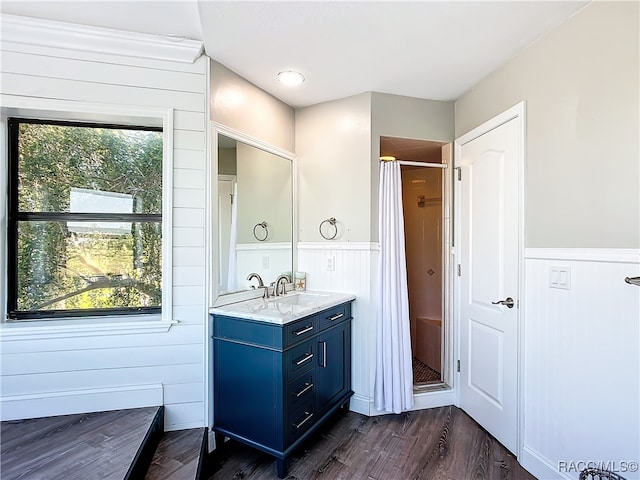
(581,362)
(100,370)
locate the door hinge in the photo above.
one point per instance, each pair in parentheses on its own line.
(459,170)
(458,365)
(459,270)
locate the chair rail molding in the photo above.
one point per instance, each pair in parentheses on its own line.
(610,255)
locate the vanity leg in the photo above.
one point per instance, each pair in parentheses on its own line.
(219,438)
(282,464)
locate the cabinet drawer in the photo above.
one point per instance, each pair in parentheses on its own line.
(247,331)
(300,359)
(301,390)
(334,315)
(300,330)
(300,420)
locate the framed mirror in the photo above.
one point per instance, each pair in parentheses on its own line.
(255,214)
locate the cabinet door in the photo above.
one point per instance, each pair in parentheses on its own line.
(334,365)
(248,392)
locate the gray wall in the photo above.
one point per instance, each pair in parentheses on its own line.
(338,148)
(334,154)
(227,161)
(239,104)
(264,194)
(581,84)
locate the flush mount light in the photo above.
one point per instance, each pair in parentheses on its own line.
(290,78)
(387,158)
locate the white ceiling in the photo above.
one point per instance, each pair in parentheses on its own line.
(425,49)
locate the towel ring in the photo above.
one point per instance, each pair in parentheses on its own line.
(258,235)
(331,221)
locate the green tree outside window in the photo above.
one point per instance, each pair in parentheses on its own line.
(85,223)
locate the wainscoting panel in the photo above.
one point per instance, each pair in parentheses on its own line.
(581,361)
(353,271)
(269,260)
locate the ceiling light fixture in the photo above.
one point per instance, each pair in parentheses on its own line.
(290,78)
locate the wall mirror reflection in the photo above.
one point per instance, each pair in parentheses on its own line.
(255,215)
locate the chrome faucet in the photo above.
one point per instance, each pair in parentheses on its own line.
(255,275)
(277,285)
(260,284)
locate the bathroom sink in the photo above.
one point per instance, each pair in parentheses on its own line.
(284,308)
(300,298)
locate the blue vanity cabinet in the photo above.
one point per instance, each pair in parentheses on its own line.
(275,384)
(333,375)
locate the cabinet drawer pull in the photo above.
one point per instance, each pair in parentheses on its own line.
(303,330)
(306,358)
(335,317)
(324,353)
(308,387)
(308,416)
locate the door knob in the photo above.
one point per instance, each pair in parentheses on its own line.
(507,302)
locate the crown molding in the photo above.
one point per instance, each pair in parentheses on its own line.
(70,36)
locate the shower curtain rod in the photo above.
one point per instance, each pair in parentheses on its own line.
(417,164)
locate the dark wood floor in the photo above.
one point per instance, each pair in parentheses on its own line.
(435,444)
(178,455)
(84,447)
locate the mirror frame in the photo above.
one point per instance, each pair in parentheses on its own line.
(215,298)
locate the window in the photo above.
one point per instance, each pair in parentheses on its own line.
(85,219)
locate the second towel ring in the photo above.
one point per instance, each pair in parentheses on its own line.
(258,236)
(331,221)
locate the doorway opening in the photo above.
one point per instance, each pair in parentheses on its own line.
(425,206)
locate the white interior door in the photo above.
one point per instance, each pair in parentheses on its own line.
(490,160)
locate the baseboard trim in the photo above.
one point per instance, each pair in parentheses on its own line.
(610,255)
(436,399)
(422,401)
(360,404)
(67,402)
(538,466)
(172,427)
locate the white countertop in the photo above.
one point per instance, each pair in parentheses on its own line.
(285,308)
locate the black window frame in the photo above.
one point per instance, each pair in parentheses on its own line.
(15,216)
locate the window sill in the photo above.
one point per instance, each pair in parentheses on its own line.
(83,327)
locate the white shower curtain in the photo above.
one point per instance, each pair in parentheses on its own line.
(232,282)
(394,374)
